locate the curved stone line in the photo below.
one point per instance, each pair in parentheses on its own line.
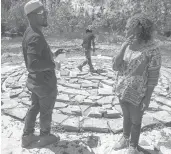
(4,89)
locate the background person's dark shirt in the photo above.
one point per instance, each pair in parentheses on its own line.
(39,62)
(87,40)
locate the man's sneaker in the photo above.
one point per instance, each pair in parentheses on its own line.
(132,150)
(122,143)
(28,140)
(80,68)
(93,70)
(47,140)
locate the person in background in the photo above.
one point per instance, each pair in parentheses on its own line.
(88,41)
(41,81)
(138,64)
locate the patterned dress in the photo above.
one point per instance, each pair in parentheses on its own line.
(139,70)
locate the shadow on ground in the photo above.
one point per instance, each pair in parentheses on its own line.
(71,147)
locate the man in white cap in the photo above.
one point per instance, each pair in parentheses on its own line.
(41,81)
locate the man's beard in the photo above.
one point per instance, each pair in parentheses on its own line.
(44,24)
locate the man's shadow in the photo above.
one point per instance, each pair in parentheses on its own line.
(71,147)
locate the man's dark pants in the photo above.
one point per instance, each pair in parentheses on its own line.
(45,106)
(132,122)
(88,59)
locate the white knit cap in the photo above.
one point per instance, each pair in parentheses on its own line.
(31,6)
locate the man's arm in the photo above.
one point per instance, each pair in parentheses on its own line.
(33,56)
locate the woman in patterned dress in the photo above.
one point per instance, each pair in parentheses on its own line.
(138,64)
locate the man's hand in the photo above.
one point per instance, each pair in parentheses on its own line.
(58,52)
(145,104)
(48,75)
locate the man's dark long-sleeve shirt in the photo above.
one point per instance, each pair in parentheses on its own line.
(88,38)
(39,62)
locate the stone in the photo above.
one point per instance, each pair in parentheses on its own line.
(81,81)
(148,120)
(95,125)
(94,97)
(15,74)
(61,88)
(162,116)
(70,85)
(93,92)
(60,105)
(90,85)
(86,112)
(167,131)
(75,92)
(115,125)
(59,118)
(102,110)
(115,101)
(96,78)
(105,91)
(105,100)
(118,108)
(15,92)
(23,94)
(73,80)
(163,100)
(64,73)
(153,106)
(89,102)
(82,73)
(107,106)
(15,86)
(165,108)
(108,82)
(73,74)
(67,110)
(95,112)
(166,149)
(103,74)
(5,95)
(95,81)
(63,98)
(164,93)
(71,124)
(157,90)
(112,114)
(78,110)
(144,142)
(18,112)
(80,98)
(110,75)
(8,104)
(26,101)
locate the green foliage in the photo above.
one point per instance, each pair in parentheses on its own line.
(13,20)
(105,16)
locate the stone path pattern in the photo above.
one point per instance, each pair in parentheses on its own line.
(85,101)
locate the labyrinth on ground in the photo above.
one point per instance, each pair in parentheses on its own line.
(85,101)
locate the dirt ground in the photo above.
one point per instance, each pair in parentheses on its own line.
(73,143)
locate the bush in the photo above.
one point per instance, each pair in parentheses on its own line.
(64,20)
